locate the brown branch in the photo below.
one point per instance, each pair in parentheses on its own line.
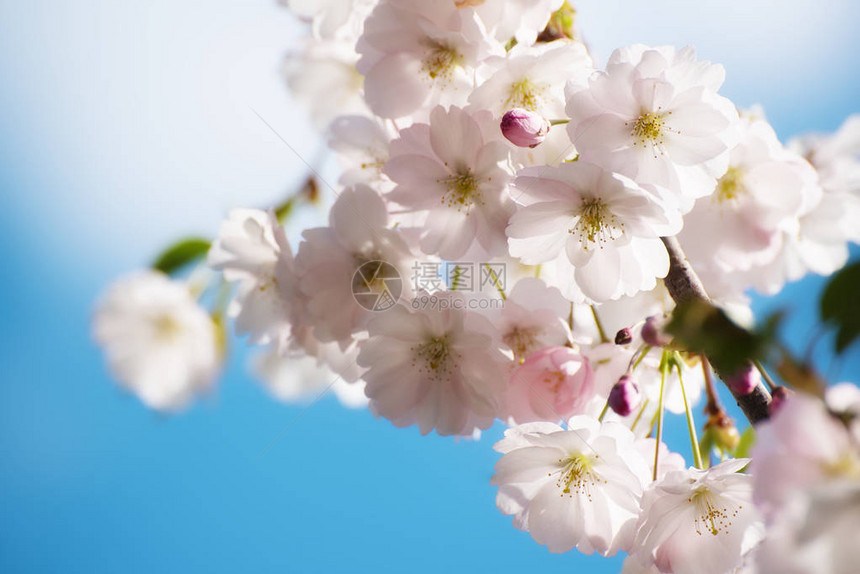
(684,285)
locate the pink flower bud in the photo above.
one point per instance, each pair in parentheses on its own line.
(524,128)
(745,380)
(652,331)
(624,336)
(624,396)
(779,396)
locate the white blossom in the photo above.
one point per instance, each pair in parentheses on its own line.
(654,115)
(329,258)
(454,171)
(697,521)
(438,368)
(160,343)
(743,228)
(602,229)
(252,251)
(417,54)
(576,488)
(322,76)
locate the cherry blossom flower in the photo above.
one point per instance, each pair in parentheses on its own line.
(530,77)
(252,250)
(815,532)
(160,343)
(533,78)
(415,55)
(322,77)
(361,144)
(820,244)
(655,116)
(697,521)
(576,488)
(438,368)
(329,257)
(757,204)
(602,229)
(534,316)
(453,170)
(551,384)
(802,445)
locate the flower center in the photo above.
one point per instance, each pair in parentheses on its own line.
(577,475)
(440,61)
(553,380)
(596,224)
(368,279)
(730,186)
(648,128)
(462,190)
(434,357)
(521,340)
(711,518)
(523,94)
(167,328)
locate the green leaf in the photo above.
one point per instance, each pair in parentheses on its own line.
(840,305)
(700,327)
(747,441)
(181,254)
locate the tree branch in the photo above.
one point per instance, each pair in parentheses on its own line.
(684,285)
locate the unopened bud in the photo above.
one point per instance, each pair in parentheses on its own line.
(624,336)
(524,128)
(653,333)
(724,432)
(778,397)
(745,380)
(624,396)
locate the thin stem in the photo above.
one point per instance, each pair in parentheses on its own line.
(570,318)
(638,357)
(558,122)
(639,415)
(713,405)
(691,424)
(603,337)
(770,384)
(664,367)
(495,279)
(603,412)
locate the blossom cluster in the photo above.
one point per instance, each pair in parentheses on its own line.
(483,131)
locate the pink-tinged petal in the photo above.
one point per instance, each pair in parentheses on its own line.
(404,71)
(697,120)
(526,465)
(653,95)
(600,278)
(600,134)
(455,137)
(357,215)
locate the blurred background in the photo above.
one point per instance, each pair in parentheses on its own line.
(126,124)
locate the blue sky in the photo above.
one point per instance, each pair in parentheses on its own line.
(127,124)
